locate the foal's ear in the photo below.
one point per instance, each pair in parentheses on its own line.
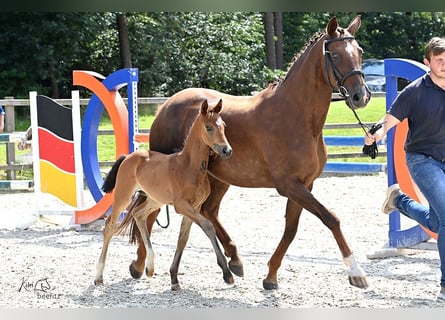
(204,107)
(332,26)
(218,107)
(354,25)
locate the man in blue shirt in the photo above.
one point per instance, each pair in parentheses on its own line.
(422,102)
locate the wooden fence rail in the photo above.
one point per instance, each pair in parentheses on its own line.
(11,137)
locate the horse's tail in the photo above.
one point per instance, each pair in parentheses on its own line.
(129,221)
(110,179)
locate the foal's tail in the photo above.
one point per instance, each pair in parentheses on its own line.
(110,179)
(129,221)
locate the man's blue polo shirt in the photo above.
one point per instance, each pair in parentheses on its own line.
(423,103)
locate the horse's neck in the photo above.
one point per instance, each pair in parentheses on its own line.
(306,87)
(195,153)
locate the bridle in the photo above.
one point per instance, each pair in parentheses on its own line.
(339,78)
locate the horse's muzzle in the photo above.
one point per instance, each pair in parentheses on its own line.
(359,98)
(224,151)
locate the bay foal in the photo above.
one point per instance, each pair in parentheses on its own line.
(179,179)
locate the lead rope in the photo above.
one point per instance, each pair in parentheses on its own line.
(168,219)
(139,194)
(371,150)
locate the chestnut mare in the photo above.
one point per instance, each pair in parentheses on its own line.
(277,140)
(179,179)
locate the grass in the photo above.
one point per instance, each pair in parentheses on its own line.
(338,113)
(105,143)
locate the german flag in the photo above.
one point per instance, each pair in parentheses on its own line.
(56,150)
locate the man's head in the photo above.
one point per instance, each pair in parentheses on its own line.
(434,47)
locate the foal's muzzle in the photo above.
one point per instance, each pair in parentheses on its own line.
(224,151)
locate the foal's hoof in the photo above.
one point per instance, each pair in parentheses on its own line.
(236,268)
(176,287)
(149,273)
(270,285)
(134,273)
(359,282)
(98,282)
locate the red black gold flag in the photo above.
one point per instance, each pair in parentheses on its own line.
(56,150)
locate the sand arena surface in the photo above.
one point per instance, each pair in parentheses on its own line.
(47,265)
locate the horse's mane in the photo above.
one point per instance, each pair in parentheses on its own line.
(308,44)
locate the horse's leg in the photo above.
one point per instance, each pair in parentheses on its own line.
(293,213)
(137,266)
(186,209)
(210,209)
(141,213)
(109,231)
(298,193)
(183,237)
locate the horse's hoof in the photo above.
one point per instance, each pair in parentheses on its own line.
(98,282)
(229,279)
(236,268)
(176,287)
(134,273)
(149,273)
(359,282)
(269,285)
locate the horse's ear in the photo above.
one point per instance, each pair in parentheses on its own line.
(204,107)
(332,26)
(218,107)
(354,25)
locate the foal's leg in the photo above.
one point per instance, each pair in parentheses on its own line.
(183,237)
(210,209)
(140,215)
(137,266)
(109,231)
(186,209)
(298,193)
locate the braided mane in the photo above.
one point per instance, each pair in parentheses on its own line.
(309,43)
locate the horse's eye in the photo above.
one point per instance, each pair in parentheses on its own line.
(335,56)
(209,127)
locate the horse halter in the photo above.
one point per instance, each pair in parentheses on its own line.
(339,78)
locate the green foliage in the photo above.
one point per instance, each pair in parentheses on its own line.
(223,51)
(38,51)
(340,113)
(399,34)
(175,50)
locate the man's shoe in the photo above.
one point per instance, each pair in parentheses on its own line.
(391,194)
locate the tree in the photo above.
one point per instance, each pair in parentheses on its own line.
(271,59)
(124,41)
(39,50)
(399,34)
(273,29)
(223,51)
(278,28)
